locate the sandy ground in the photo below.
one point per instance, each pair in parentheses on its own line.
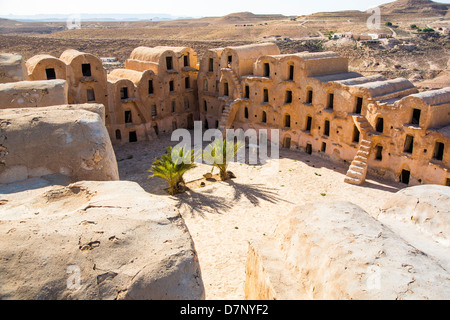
(223,216)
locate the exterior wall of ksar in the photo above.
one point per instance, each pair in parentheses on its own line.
(384,126)
(378,125)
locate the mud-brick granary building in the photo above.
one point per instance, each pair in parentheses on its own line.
(155,93)
(372,123)
(384,126)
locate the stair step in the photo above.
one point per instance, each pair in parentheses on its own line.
(355,174)
(359,163)
(363,153)
(366,142)
(353,180)
(355,168)
(364,148)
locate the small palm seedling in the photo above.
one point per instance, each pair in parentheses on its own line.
(171,167)
(219,154)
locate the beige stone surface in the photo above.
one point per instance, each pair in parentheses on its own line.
(95,240)
(12,68)
(336,250)
(27,94)
(67,141)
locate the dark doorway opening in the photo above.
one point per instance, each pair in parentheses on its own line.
(359,103)
(308,148)
(326,130)
(124,93)
(246,113)
(409,142)
(287,142)
(266,70)
(309,97)
(291,72)
(308,124)
(287,121)
(264,117)
(379,127)
(211,65)
(118,135)
(50,73)
(404,176)
(415,116)
(330,101)
(438,153)
(355,134)
(169,63)
(324,147)
(128,117)
(133,136)
(379,153)
(90,95)
(86,69)
(247,92)
(288,98)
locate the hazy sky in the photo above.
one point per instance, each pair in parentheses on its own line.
(195,8)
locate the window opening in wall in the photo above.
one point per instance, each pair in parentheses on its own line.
(246,113)
(211,65)
(247,92)
(264,117)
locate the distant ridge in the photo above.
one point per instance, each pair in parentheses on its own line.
(415,7)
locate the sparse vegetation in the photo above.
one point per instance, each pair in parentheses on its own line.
(219,153)
(171,167)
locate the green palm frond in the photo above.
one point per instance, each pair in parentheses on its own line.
(220,153)
(172,165)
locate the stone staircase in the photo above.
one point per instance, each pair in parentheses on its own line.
(236,82)
(357,171)
(228,115)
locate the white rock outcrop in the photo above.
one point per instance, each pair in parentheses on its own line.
(71,141)
(338,251)
(95,240)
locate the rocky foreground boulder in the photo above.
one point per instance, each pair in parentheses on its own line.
(338,251)
(68,140)
(95,240)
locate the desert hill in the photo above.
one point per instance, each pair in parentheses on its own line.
(415,7)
